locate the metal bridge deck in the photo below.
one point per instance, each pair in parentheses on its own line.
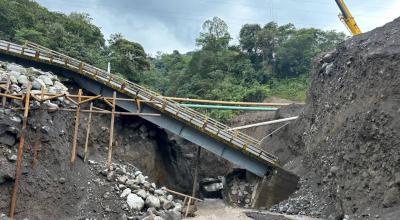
(206,132)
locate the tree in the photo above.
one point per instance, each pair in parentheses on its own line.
(127,58)
(215,35)
(248,38)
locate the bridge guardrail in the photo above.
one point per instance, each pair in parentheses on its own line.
(195,119)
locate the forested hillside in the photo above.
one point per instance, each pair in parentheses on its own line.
(269,60)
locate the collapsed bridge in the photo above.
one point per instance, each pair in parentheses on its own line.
(220,139)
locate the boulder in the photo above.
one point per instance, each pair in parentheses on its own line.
(126,192)
(14,77)
(16,119)
(152,201)
(159,192)
(60,87)
(122,179)
(51,106)
(135,202)
(46,79)
(34,71)
(329,68)
(130,182)
(140,179)
(38,84)
(22,80)
(7,139)
(12,158)
(53,89)
(137,173)
(172,215)
(16,68)
(15,88)
(177,207)
(142,193)
(7,170)
(166,204)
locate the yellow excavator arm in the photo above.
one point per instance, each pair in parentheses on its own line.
(348,19)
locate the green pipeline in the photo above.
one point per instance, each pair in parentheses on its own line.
(227,107)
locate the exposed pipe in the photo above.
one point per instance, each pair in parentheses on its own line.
(204,101)
(226,107)
(264,123)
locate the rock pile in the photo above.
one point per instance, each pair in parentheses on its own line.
(239,193)
(20,76)
(139,198)
(303,202)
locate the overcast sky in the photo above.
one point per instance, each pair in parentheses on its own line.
(166,25)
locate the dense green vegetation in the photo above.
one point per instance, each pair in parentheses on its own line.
(269,60)
(73,34)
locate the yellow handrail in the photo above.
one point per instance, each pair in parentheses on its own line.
(187,115)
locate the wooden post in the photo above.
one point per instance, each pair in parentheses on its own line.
(20,154)
(137,105)
(110,143)
(87,133)
(188,206)
(4,100)
(38,129)
(77,120)
(196,171)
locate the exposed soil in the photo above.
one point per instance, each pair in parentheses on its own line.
(54,190)
(347,139)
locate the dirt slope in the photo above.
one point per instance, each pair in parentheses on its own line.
(54,191)
(351,137)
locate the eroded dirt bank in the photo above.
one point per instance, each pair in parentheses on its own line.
(347,138)
(54,190)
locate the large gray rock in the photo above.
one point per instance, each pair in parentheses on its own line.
(122,179)
(7,170)
(60,87)
(15,88)
(14,76)
(177,207)
(16,119)
(152,201)
(172,215)
(34,71)
(22,80)
(7,139)
(51,106)
(38,84)
(12,158)
(135,202)
(16,68)
(46,79)
(159,192)
(140,179)
(126,192)
(166,204)
(130,182)
(142,193)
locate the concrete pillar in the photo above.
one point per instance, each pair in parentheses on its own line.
(274,188)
